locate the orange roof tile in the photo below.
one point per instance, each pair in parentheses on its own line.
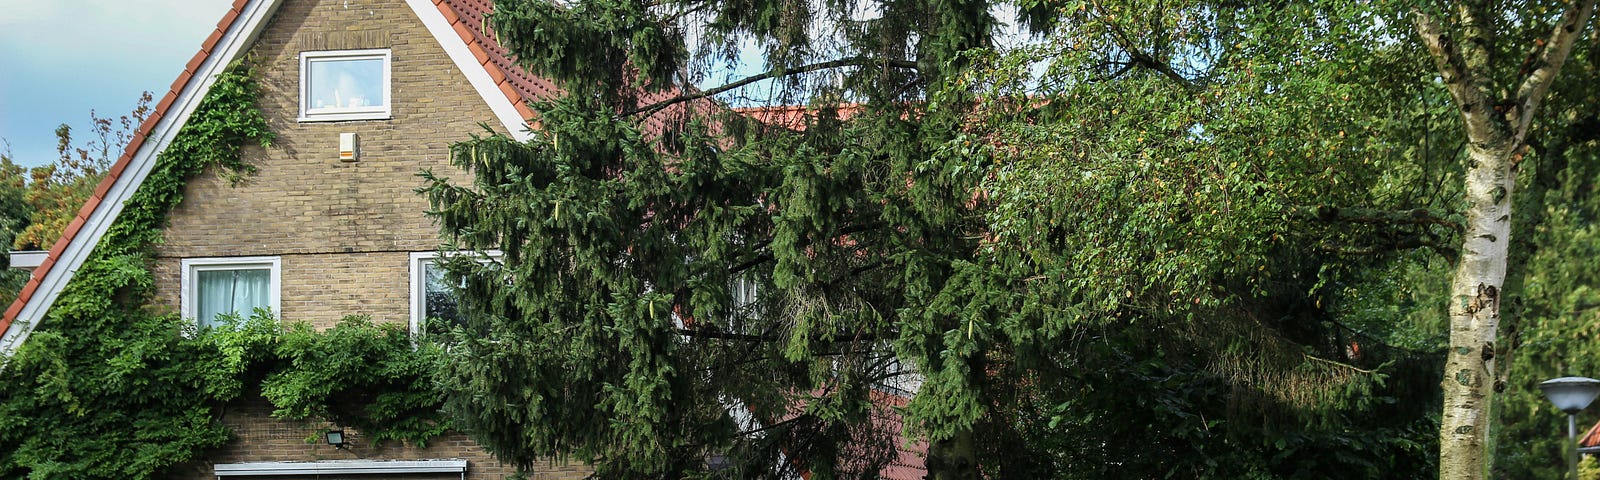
(1590,438)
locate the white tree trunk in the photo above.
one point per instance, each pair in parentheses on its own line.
(1496,134)
(1475,313)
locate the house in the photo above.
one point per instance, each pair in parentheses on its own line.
(315,234)
(1589,442)
(361,94)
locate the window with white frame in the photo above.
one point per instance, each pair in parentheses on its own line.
(213,287)
(344,85)
(744,293)
(434,307)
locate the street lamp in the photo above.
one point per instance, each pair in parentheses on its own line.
(1571,395)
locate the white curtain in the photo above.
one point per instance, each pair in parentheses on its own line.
(221,292)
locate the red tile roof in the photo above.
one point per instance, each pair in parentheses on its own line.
(467,18)
(795,117)
(909,460)
(1590,438)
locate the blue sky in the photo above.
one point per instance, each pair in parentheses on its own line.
(59,59)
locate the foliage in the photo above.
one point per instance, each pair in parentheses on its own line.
(1549,320)
(621,245)
(374,378)
(106,388)
(15,213)
(56,191)
(1405,133)
(1191,206)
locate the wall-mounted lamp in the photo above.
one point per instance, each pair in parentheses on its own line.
(335,438)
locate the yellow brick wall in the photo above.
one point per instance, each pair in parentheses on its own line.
(264,439)
(343,231)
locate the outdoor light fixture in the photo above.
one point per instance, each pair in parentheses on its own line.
(1571,395)
(335,438)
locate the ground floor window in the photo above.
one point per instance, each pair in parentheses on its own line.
(434,307)
(213,287)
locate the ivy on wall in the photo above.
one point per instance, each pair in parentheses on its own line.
(109,387)
(370,376)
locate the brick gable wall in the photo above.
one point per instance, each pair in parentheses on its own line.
(343,230)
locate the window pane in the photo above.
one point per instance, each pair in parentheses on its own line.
(347,83)
(219,292)
(439,304)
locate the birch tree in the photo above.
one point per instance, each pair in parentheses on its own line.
(1497,111)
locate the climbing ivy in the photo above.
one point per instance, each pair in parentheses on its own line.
(109,387)
(370,376)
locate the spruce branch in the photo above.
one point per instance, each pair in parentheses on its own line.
(779,72)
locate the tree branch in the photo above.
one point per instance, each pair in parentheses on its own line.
(1555,52)
(1473,46)
(1373,216)
(1396,245)
(1145,60)
(695,333)
(745,337)
(1465,84)
(770,74)
(1338,364)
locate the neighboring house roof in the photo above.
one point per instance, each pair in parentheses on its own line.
(455,24)
(796,117)
(1590,439)
(908,462)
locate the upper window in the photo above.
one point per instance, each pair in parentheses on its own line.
(434,308)
(744,293)
(344,85)
(213,287)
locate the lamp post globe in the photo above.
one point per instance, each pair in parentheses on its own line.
(1571,395)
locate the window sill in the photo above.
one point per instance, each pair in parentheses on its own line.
(344,117)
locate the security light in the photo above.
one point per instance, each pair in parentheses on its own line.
(335,438)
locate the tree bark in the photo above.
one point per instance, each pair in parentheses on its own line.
(1496,134)
(1475,313)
